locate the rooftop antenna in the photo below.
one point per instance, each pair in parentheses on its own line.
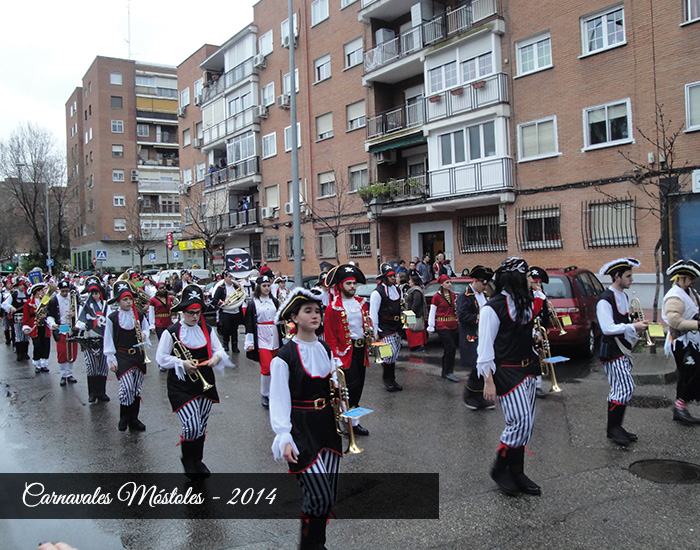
(128,25)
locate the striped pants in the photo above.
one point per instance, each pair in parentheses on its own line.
(194,417)
(95,362)
(319,482)
(519,411)
(394,340)
(619,373)
(19,335)
(130,385)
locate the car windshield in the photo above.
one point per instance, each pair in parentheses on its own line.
(366,289)
(458,287)
(558,286)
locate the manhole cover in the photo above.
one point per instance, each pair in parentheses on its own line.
(649,402)
(666,471)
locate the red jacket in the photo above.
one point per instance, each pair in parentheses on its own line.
(28,319)
(446,314)
(337,330)
(162,311)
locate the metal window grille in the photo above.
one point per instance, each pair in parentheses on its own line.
(272,248)
(359,242)
(290,247)
(609,223)
(325,245)
(482,234)
(538,227)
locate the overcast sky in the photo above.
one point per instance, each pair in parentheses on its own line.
(47,46)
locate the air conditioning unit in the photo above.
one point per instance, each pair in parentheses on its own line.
(260,111)
(259,61)
(266,212)
(181,111)
(184,189)
(285,41)
(198,98)
(134,175)
(197,143)
(288,208)
(283,101)
(386,157)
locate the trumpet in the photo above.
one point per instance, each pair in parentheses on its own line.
(340,397)
(140,340)
(181,352)
(637,314)
(554,318)
(368,330)
(544,353)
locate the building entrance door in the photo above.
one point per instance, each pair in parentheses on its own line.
(433,242)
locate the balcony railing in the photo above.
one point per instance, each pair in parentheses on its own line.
(157,186)
(229,126)
(233,172)
(467,97)
(396,119)
(230,78)
(233,220)
(415,186)
(160,115)
(477,177)
(159,162)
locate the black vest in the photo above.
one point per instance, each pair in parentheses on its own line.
(389,312)
(125,340)
(609,348)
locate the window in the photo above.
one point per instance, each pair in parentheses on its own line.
(482,234)
(90,134)
(272,248)
(692,10)
(537,139)
(602,31)
(290,246)
(267,94)
(197,88)
(284,28)
(201,170)
(119,224)
(482,141)
(324,126)
(290,191)
(241,147)
(357,176)
(187,176)
(118,200)
(117,151)
(286,89)
(189,219)
(443,77)
(452,148)
(115,102)
(322,68)
(272,196)
(185,97)
(606,125)
(198,130)
(288,137)
(169,204)
(326,184)
(539,227)
(186,137)
(359,243)
(534,54)
(355,113)
(269,145)
(142,130)
(319,11)
(86,138)
(117,126)
(353,53)
(477,67)
(265,43)
(326,245)
(240,103)
(692,106)
(609,223)
(117,175)
(115,78)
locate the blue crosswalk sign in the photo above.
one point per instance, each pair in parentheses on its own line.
(101,255)
(176,254)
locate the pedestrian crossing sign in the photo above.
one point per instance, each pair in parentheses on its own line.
(101,255)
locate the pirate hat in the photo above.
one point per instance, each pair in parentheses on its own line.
(192,295)
(481,273)
(93,283)
(344,272)
(539,274)
(291,306)
(121,289)
(63,283)
(21,281)
(264,279)
(385,270)
(281,279)
(619,266)
(36,287)
(684,268)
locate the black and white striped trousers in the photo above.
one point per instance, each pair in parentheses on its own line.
(130,385)
(194,417)
(95,362)
(19,335)
(619,373)
(394,340)
(519,411)
(319,482)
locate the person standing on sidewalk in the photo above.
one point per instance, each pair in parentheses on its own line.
(681,309)
(385,312)
(425,269)
(619,337)
(443,319)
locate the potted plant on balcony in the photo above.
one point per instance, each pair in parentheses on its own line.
(384,190)
(414,187)
(435,98)
(478,84)
(457,91)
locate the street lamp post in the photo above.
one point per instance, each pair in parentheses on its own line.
(376,206)
(49,262)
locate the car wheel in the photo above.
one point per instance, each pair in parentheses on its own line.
(588,349)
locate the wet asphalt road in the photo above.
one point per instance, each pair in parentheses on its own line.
(590,498)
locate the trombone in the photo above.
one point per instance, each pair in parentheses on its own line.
(544,353)
(341,393)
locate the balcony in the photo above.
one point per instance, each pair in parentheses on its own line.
(395,120)
(157,187)
(161,116)
(478,177)
(229,126)
(241,221)
(233,172)
(228,80)
(155,163)
(467,97)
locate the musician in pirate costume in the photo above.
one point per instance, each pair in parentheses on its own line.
(126,354)
(469,304)
(35,326)
(302,415)
(63,312)
(538,278)
(385,312)
(507,362)
(617,341)
(159,312)
(681,310)
(346,325)
(91,324)
(227,298)
(14,306)
(263,336)
(7,321)
(443,319)
(189,399)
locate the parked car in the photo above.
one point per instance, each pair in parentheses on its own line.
(574,291)
(307,281)
(459,285)
(363,291)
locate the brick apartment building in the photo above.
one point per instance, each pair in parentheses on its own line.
(122,158)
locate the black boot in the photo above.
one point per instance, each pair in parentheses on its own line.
(101,388)
(7,338)
(501,475)
(516,459)
(135,425)
(92,395)
(615,432)
(124,417)
(313,534)
(189,458)
(21,348)
(199,453)
(389,377)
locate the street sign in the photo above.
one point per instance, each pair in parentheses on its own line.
(153,257)
(169,240)
(49,263)
(176,254)
(101,255)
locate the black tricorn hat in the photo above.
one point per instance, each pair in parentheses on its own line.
(191,295)
(93,283)
(297,298)
(342,273)
(121,289)
(385,270)
(481,273)
(539,274)
(63,283)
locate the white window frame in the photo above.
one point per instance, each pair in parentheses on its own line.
(691,11)
(453,148)
(357,169)
(120,224)
(440,83)
(480,70)
(285,81)
(691,108)
(346,3)
(284,28)
(185,97)
(329,250)
(288,137)
(201,171)
(118,200)
(115,78)
(116,152)
(140,127)
(117,126)
(357,122)
(534,43)
(186,137)
(540,214)
(537,123)
(267,94)
(118,176)
(353,52)
(606,45)
(319,11)
(265,43)
(269,145)
(323,119)
(326,188)
(612,143)
(322,68)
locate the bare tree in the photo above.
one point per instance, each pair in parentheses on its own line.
(206,216)
(138,237)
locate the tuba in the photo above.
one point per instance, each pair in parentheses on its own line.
(43,307)
(141,297)
(181,352)
(637,314)
(236,298)
(544,353)
(340,400)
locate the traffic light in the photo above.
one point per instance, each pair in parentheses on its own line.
(10,268)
